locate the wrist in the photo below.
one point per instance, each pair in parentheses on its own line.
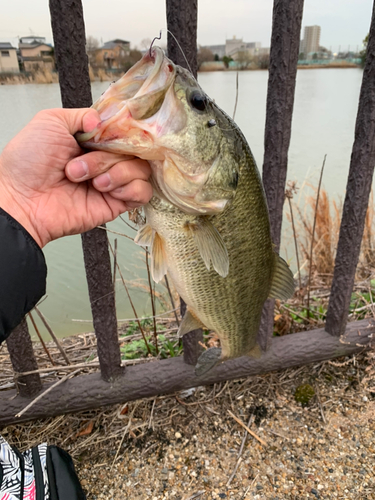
(13,207)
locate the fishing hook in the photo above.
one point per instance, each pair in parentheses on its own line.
(156,38)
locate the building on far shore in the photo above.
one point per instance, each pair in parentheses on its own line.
(111,55)
(311,41)
(8,58)
(36,54)
(236,48)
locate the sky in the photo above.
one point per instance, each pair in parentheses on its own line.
(343,23)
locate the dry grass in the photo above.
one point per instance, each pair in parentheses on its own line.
(102,76)
(45,76)
(327,227)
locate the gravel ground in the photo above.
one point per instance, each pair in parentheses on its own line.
(192,445)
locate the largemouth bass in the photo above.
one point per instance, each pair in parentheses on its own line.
(207,223)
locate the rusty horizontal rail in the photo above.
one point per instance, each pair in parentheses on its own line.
(170,375)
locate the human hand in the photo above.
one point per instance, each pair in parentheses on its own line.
(51,187)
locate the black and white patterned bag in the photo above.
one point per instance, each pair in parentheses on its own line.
(41,473)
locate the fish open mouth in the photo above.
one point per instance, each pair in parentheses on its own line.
(138,95)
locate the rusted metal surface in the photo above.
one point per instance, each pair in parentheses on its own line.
(23,360)
(357,196)
(70,53)
(170,375)
(285,41)
(69,38)
(99,280)
(191,342)
(182,24)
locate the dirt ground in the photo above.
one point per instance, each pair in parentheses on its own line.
(193,444)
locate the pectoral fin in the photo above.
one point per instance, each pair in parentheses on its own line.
(188,324)
(282,283)
(159,265)
(210,245)
(144,236)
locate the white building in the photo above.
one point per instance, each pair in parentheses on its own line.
(311,41)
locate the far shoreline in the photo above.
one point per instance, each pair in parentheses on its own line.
(38,78)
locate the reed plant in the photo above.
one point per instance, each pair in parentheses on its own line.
(316,229)
(327,216)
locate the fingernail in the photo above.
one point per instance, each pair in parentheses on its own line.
(78,170)
(134,204)
(118,190)
(102,181)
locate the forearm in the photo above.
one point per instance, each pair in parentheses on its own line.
(23,273)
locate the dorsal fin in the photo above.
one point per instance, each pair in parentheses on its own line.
(282,282)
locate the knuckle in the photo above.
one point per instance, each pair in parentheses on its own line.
(141,191)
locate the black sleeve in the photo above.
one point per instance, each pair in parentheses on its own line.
(23,273)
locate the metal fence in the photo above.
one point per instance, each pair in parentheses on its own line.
(116,384)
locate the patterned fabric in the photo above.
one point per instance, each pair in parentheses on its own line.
(10,463)
(29,477)
(42,448)
(12,474)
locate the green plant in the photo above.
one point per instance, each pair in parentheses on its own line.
(138,349)
(304,393)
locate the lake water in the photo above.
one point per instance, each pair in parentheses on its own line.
(323,123)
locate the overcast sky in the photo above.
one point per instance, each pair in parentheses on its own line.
(343,22)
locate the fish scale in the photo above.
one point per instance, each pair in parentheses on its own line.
(230,306)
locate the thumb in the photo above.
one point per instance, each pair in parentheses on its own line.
(80,119)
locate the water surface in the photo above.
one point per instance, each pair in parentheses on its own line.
(323,123)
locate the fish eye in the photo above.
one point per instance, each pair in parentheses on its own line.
(198,100)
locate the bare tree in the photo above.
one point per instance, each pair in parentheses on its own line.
(204,55)
(129,59)
(244,59)
(262,61)
(145,43)
(92,45)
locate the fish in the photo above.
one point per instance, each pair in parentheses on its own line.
(207,224)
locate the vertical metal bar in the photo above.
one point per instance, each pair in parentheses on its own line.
(357,197)
(69,36)
(285,40)
(23,360)
(182,26)
(99,281)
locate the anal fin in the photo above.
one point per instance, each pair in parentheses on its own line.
(188,324)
